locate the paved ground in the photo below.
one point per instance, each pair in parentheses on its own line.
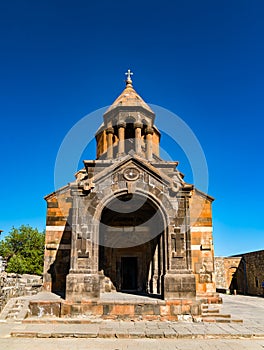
(125,344)
(185,335)
(250,309)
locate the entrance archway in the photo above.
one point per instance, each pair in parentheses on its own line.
(131,234)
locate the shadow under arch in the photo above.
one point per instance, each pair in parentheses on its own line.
(132,233)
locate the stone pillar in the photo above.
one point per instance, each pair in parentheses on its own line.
(188,234)
(121,135)
(109,133)
(179,281)
(155,276)
(74,255)
(82,282)
(138,126)
(149,133)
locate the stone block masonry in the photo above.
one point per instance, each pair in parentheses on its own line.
(243,274)
(129,223)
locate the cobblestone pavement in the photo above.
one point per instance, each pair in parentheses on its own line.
(152,335)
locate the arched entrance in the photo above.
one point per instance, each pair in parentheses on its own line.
(131,251)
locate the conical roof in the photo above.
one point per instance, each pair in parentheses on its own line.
(129,98)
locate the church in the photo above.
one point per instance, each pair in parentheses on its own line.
(128,223)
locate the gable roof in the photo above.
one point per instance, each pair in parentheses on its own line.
(134,158)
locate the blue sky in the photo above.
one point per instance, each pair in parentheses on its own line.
(202,60)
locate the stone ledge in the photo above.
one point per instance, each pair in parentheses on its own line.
(135,334)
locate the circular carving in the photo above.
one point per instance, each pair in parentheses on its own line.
(131,174)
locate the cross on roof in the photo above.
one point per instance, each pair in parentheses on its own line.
(129,74)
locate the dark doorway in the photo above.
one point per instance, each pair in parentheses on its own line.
(129,272)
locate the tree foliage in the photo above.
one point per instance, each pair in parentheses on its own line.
(23,249)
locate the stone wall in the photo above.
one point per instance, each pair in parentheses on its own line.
(242,274)
(202,243)
(226,271)
(254,265)
(13,285)
(2,264)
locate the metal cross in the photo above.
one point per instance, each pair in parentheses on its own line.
(129,74)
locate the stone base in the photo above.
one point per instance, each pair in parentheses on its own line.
(156,310)
(81,287)
(179,286)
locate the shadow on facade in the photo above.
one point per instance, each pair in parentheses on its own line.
(59,269)
(238,278)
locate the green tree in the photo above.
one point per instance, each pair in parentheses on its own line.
(23,249)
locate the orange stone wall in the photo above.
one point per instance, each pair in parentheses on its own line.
(202,243)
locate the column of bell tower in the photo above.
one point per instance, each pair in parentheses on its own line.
(138,127)
(121,138)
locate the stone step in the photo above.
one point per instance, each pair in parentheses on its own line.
(210,306)
(210,309)
(7,308)
(131,330)
(216,311)
(221,320)
(211,315)
(15,309)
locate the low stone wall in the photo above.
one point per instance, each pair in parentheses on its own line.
(164,310)
(14,285)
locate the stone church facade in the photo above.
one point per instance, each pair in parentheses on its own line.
(129,222)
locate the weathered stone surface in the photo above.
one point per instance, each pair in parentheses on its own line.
(129,223)
(14,285)
(44,308)
(242,274)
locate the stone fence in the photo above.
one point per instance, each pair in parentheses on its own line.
(14,285)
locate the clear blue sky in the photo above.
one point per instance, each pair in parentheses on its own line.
(202,60)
